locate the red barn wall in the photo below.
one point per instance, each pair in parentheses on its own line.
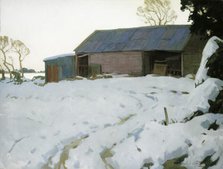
(119,62)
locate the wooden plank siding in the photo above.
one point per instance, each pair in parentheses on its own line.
(192,55)
(119,62)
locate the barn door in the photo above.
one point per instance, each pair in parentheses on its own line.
(83,66)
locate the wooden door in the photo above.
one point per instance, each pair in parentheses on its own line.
(52,73)
(55,73)
(83,66)
(49,74)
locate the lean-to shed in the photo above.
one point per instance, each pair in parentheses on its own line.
(168,50)
(60,67)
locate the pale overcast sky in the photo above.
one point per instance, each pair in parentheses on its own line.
(51,27)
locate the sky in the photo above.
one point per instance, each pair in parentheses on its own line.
(52,27)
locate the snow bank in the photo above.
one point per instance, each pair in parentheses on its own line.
(209,49)
(200,96)
(62,112)
(114,122)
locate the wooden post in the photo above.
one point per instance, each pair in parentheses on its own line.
(77,65)
(166,116)
(182,64)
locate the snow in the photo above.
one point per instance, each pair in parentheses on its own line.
(108,123)
(122,114)
(59,56)
(207,91)
(31,75)
(209,49)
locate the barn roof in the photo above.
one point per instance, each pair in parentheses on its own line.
(150,38)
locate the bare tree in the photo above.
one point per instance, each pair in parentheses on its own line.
(9,47)
(22,51)
(157,12)
(5,47)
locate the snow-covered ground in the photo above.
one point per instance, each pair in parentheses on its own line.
(31,75)
(123,116)
(28,75)
(115,123)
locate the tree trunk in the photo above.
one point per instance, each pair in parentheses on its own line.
(12,65)
(3,74)
(13,69)
(5,63)
(6,66)
(20,65)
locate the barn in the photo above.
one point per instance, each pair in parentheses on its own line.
(165,50)
(60,67)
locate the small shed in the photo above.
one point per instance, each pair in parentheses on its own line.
(60,67)
(142,50)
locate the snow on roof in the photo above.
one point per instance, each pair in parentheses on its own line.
(59,56)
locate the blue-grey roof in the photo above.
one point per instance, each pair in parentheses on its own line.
(150,38)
